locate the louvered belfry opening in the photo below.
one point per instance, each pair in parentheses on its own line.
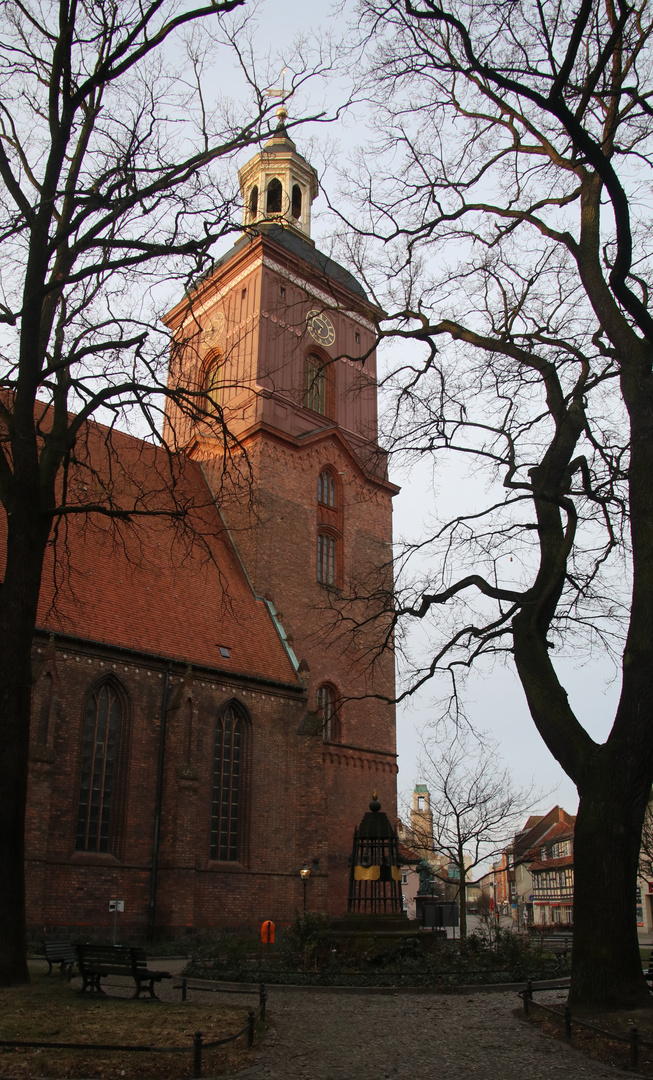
(375,876)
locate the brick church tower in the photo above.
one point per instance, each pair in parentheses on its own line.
(280,340)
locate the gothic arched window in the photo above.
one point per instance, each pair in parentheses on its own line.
(253,202)
(97,812)
(315,385)
(274,197)
(329,528)
(327,707)
(43,714)
(212,384)
(228,786)
(296,208)
(326,559)
(326,488)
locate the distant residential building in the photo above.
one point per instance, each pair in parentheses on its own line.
(644,899)
(553,877)
(542,861)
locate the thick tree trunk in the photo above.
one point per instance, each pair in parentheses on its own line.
(14,739)
(18,608)
(606,967)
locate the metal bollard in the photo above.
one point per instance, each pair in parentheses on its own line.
(251,1020)
(567,1022)
(634,1037)
(262,998)
(197,1055)
(183,989)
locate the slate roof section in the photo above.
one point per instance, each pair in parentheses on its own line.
(296,245)
(158,585)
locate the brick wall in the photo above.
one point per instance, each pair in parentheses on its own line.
(285,803)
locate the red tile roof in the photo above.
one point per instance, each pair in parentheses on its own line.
(562,830)
(407,853)
(551,864)
(157,585)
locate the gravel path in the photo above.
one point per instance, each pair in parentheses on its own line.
(326,1036)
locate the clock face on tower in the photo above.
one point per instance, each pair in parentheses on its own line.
(320,327)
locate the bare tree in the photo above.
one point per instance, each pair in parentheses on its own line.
(475,805)
(112,194)
(514,222)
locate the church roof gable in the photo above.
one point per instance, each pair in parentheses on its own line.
(167,585)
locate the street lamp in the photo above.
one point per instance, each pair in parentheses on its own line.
(305,873)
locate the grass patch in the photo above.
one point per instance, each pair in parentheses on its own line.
(51,1010)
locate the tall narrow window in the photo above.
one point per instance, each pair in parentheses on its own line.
(96,810)
(315,385)
(227,807)
(253,202)
(327,709)
(326,488)
(45,687)
(326,559)
(296,202)
(274,197)
(212,385)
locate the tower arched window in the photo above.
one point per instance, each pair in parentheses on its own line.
(315,385)
(274,193)
(327,565)
(326,488)
(227,809)
(98,815)
(253,202)
(296,205)
(43,722)
(330,524)
(327,708)
(212,384)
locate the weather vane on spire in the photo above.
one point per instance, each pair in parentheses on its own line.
(282,111)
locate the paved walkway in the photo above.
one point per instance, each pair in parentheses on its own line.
(344,1036)
(325,1035)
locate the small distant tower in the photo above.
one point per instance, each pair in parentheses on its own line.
(421,819)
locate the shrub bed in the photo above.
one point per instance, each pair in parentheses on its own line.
(310,954)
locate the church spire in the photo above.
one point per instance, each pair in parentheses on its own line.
(278,185)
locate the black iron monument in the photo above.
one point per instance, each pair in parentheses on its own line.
(375,875)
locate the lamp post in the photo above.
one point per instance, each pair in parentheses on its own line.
(305,873)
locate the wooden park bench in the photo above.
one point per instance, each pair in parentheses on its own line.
(560,944)
(62,953)
(96,962)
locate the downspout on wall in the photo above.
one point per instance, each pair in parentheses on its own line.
(151,917)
